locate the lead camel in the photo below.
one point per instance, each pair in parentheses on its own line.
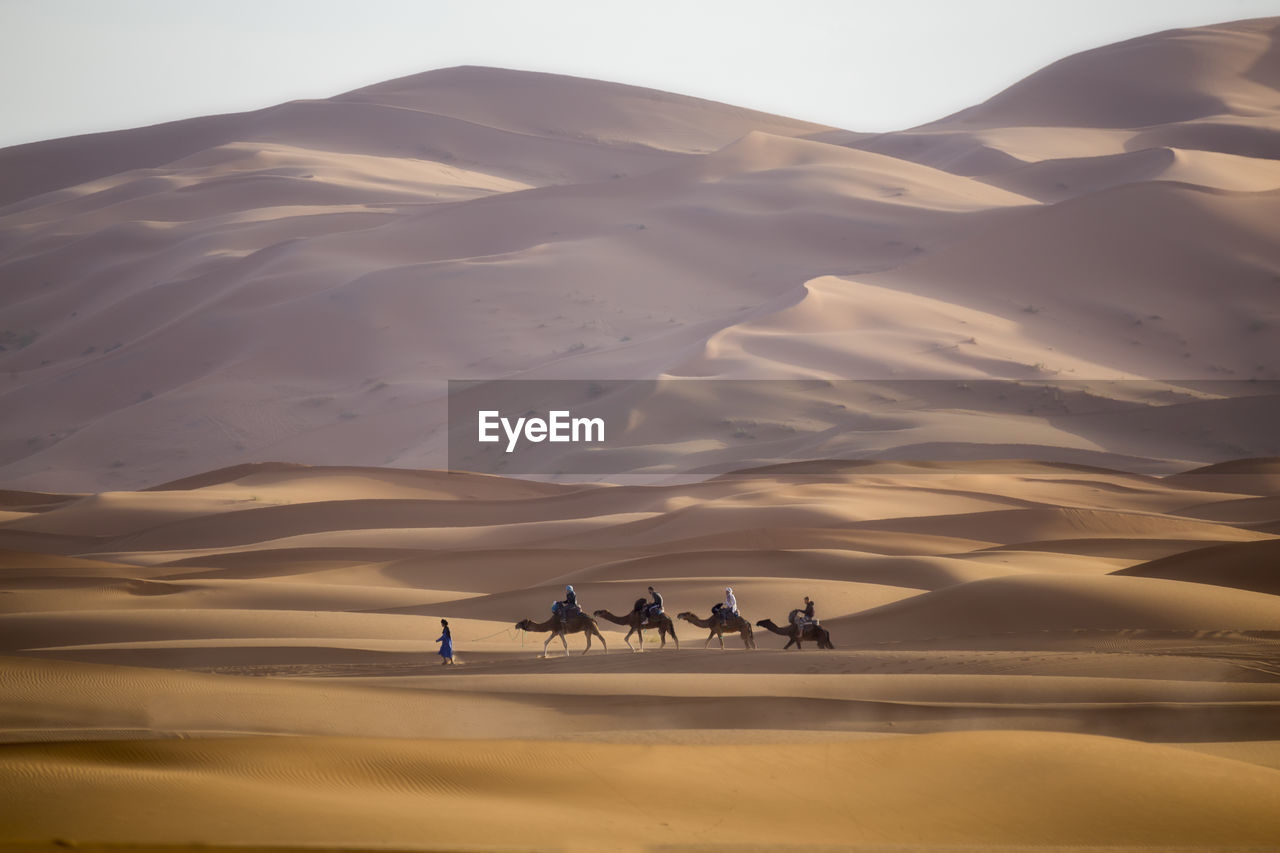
(560,627)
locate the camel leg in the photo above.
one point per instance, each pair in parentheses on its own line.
(547,643)
(627,639)
(591,631)
(710,637)
(721,638)
(564,643)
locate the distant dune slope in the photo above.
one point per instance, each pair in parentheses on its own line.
(296,283)
(1246,565)
(274,556)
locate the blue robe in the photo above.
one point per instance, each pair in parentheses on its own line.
(446,644)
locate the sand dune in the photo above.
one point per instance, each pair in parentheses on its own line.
(1176,76)
(922,572)
(1251,565)
(783,534)
(1055,180)
(1037,603)
(156,674)
(350,253)
(1242,511)
(53,700)
(342,791)
(1245,476)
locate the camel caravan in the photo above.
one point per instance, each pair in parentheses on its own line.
(567,617)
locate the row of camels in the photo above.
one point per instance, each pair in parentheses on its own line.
(581,623)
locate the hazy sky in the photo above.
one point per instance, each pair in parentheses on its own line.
(75,66)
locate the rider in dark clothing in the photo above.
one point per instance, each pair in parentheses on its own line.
(570,603)
(652,611)
(802,616)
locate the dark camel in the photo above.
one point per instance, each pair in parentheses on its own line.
(812,631)
(559,627)
(735,625)
(635,619)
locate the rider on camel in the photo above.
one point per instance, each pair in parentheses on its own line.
(654,610)
(728,608)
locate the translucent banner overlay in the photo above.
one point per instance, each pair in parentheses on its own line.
(552,428)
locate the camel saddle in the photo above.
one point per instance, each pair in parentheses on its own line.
(564,611)
(801,621)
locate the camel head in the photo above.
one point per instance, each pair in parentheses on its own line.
(687,616)
(765,623)
(597,613)
(524,624)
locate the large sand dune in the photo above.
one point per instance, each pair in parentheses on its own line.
(296,283)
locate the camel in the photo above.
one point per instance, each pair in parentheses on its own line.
(812,632)
(558,628)
(736,624)
(635,619)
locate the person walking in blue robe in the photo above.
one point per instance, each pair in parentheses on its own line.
(446,644)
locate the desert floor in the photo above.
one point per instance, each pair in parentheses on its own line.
(1025,654)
